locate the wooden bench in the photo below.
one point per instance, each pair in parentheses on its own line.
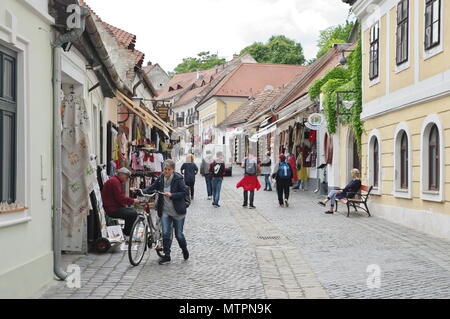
(358,202)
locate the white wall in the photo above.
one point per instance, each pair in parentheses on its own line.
(26,258)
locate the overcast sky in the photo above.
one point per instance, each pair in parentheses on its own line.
(170,30)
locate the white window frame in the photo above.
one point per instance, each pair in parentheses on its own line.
(428,54)
(425,194)
(398,191)
(375,134)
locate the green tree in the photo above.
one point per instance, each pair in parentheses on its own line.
(278,50)
(336,34)
(203,61)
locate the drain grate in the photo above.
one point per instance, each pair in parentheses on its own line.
(269,237)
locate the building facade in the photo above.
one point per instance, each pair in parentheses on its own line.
(406,110)
(26,256)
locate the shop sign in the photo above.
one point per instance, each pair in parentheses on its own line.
(315,121)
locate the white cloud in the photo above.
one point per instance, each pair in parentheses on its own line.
(168,31)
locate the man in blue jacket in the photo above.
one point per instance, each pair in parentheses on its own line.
(171,208)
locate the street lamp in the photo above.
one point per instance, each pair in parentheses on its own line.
(341,47)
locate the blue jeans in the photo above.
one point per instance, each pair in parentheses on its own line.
(216,188)
(332,197)
(209,188)
(167,222)
(267,179)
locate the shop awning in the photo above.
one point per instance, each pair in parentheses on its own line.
(150,118)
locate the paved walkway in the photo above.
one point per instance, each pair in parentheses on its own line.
(297,252)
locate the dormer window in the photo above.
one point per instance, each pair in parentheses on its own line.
(179,87)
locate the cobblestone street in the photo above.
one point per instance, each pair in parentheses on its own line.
(270,252)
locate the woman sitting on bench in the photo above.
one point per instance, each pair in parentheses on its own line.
(348,192)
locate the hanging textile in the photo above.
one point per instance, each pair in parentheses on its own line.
(78,173)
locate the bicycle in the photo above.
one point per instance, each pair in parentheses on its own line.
(145,233)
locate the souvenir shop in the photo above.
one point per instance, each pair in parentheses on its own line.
(296,139)
(141,149)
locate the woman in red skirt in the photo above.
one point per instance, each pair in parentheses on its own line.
(250,182)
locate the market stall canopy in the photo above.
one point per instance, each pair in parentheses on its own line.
(151,118)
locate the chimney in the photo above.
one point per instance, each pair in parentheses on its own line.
(198,74)
(149,63)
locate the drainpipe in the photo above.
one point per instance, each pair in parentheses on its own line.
(57,165)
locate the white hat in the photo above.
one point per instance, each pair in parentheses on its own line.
(125,171)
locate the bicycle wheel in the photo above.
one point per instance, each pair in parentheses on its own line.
(137,244)
(158,239)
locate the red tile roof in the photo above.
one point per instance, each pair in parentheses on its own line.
(125,39)
(253,106)
(300,85)
(252,78)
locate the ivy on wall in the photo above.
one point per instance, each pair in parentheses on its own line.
(342,79)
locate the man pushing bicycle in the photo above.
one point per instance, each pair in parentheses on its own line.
(171,208)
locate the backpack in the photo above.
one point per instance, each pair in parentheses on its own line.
(217,167)
(284,171)
(251,167)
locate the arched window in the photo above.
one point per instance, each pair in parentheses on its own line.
(433,159)
(375,173)
(376,163)
(404,161)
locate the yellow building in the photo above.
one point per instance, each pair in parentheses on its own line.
(406,110)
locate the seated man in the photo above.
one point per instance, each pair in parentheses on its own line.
(348,192)
(116,204)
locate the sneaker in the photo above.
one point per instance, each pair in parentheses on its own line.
(185,254)
(252,207)
(209,198)
(244,205)
(329,213)
(165,260)
(286,203)
(281,206)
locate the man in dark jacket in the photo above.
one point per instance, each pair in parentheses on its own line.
(217,171)
(116,203)
(189,170)
(171,207)
(205,172)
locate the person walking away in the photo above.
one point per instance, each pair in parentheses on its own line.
(205,172)
(283,176)
(171,207)
(250,181)
(266,170)
(349,191)
(116,204)
(189,170)
(217,171)
(292,161)
(302,171)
